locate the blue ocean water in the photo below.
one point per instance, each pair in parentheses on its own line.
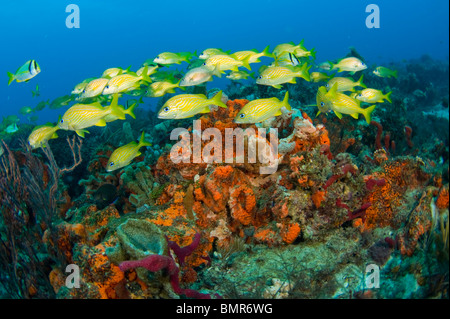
(119,34)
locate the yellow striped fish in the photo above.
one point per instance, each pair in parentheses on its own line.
(93,88)
(199,75)
(240,75)
(262,109)
(373,96)
(158,89)
(125,82)
(125,154)
(323,100)
(344,104)
(302,52)
(80,116)
(277,75)
(286,48)
(319,76)
(79,87)
(345,84)
(350,64)
(210,52)
(112,72)
(151,69)
(173,58)
(254,55)
(187,105)
(41,134)
(226,62)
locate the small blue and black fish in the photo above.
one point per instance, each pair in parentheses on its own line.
(26,72)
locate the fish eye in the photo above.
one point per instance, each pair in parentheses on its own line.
(204,63)
(166,109)
(260,77)
(111,164)
(62,121)
(107,87)
(322,104)
(242,115)
(327,85)
(84,91)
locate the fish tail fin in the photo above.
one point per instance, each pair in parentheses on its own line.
(332,65)
(245,63)
(395,74)
(144,75)
(360,82)
(367,112)
(217,100)
(252,75)
(11,77)
(285,102)
(143,142)
(115,108)
(188,56)
(388,96)
(313,53)
(267,53)
(127,70)
(303,72)
(180,87)
(130,110)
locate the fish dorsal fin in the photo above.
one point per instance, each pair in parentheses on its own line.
(333,91)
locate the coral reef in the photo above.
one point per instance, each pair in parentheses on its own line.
(344,194)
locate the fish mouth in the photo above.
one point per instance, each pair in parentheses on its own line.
(168,116)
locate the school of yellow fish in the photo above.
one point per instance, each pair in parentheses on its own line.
(339,94)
